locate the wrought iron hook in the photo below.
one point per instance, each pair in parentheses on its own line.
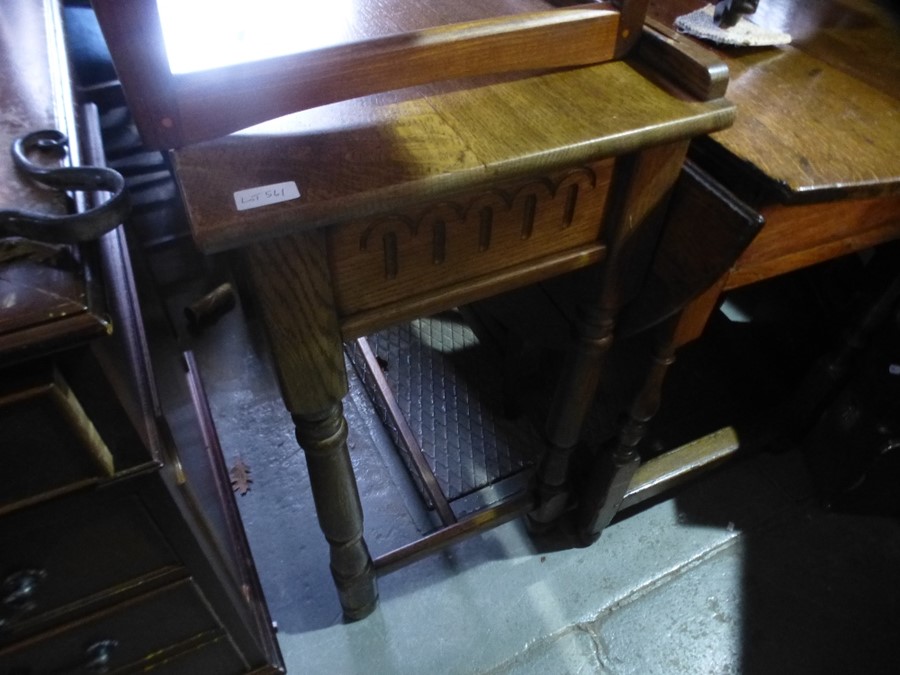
(728,12)
(72,228)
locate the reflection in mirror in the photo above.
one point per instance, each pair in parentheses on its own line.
(206,34)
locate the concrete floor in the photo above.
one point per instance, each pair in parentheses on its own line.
(740,572)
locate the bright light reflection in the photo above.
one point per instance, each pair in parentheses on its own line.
(206,34)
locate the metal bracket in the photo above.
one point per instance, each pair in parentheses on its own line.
(71,228)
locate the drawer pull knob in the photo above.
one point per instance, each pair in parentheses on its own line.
(18,591)
(99,656)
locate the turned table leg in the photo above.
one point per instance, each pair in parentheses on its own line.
(569,408)
(693,254)
(639,195)
(610,474)
(289,282)
(323,437)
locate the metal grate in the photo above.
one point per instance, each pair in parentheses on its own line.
(448,387)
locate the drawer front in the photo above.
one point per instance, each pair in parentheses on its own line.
(129,637)
(64,554)
(420,251)
(216,656)
(47,442)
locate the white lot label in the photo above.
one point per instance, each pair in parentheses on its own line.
(264,195)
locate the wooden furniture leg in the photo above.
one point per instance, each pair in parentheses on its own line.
(692,254)
(581,375)
(640,189)
(611,472)
(290,279)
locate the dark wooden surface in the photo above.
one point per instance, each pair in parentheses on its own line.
(44,296)
(819,118)
(100,537)
(44,424)
(34,82)
(815,146)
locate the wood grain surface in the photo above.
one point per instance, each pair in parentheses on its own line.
(35,93)
(819,118)
(815,146)
(291,286)
(799,236)
(395,256)
(358,158)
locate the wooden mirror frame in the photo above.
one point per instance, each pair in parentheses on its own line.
(172,110)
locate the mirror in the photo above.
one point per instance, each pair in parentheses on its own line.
(194,70)
(200,35)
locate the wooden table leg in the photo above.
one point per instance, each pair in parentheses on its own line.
(692,255)
(290,284)
(571,402)
(612,470)
(640,190)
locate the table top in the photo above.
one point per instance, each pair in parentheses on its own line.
(354,158)
(817,119)
(45,300)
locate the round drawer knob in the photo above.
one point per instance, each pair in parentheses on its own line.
(19,588)
(17,594)
(99,656)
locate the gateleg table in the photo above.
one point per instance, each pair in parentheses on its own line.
(347,218)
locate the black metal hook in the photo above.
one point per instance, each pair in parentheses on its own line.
(728,12)
(72,228)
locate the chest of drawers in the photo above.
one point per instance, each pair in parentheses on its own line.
(119,549)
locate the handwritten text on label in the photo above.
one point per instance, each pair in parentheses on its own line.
(264,195)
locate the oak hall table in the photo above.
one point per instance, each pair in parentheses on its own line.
(352,216)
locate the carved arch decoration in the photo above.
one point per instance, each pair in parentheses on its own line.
(541,199)
(389,230)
